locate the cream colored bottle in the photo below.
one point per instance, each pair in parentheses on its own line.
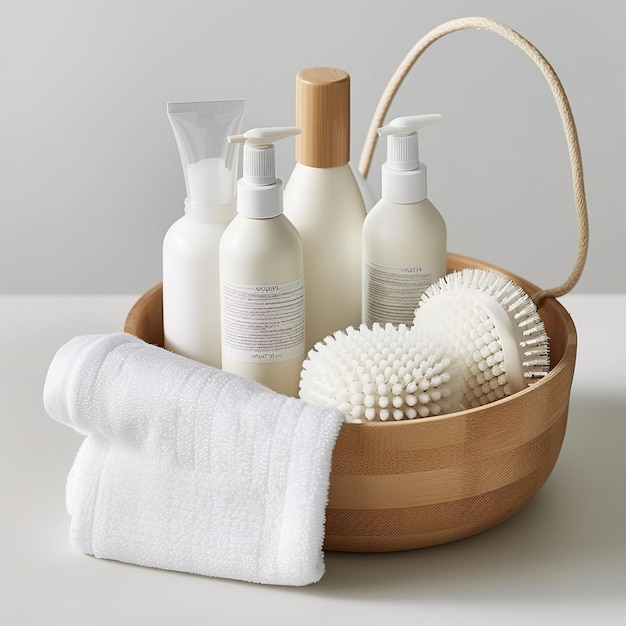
(323,201)
(262,274)
(404,235)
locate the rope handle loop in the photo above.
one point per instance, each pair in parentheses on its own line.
(569,127)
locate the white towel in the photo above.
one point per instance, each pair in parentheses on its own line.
(189,468)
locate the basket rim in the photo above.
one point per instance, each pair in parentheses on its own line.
(569,351)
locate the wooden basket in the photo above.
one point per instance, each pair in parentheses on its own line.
(412,484)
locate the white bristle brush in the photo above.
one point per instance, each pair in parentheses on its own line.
(380,373)
(495,327)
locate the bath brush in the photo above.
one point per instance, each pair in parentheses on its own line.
(500,341)
(381,373)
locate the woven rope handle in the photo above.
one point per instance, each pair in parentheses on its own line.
(561,101)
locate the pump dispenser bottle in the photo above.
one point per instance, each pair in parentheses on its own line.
(191,307)
(262,274)
(404,235)
(323,200)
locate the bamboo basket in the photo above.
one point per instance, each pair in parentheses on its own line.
(413,484)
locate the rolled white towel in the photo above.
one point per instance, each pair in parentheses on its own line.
(189,468)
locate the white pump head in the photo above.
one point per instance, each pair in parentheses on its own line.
(259,192)
(403,176)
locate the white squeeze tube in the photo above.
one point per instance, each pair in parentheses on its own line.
(191,305)
(262,273)
(404,235)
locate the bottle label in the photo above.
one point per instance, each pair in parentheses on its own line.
(391,294)
(263,323)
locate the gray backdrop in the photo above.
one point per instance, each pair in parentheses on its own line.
(90,177)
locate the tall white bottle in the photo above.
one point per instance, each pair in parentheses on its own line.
(404,235)
(191,307)
(323,200)
(262,274)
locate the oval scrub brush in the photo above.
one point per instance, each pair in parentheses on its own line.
(499,337)
(381,373)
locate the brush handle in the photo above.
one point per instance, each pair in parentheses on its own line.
(562,103)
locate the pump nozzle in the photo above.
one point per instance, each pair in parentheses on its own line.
(402,144)
(403,176)
(259,163)
(408,124)
(259,191)
(265,136)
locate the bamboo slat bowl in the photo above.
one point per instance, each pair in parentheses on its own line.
(412,484)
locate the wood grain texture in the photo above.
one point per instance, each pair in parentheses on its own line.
(145,319)
(323,114)
(412,484)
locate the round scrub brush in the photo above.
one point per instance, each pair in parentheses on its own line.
(498,335)
(380,373)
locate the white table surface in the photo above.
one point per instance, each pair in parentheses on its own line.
(561,560)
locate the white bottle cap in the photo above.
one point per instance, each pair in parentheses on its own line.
(259,192)
(403,177)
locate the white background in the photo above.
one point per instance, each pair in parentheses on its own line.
(90,177)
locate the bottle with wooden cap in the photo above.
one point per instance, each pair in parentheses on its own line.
(323,200)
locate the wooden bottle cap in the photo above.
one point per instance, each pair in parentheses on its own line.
(323,114)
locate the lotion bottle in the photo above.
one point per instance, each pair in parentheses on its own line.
(404,235)
(324,202)
(262,274)
(191,307)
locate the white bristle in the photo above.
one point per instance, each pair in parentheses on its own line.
(374,374)
(496,328)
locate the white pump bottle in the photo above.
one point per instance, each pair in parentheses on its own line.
(262,273)
(404,235)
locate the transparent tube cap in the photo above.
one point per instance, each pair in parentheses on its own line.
(210,162)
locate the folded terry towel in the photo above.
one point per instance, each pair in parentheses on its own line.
(189,468)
